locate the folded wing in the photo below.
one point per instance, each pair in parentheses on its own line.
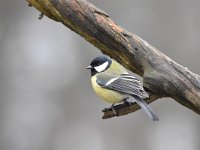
(126,84)
(130,85)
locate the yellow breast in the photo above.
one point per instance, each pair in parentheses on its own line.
(107,95)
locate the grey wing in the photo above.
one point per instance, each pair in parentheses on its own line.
(126,84)
(130,85)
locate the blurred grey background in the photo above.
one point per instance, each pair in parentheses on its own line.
(46,100)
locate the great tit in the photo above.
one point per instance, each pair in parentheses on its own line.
(114,84)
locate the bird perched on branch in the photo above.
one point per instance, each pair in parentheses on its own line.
(114,84)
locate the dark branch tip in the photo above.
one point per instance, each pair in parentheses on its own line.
(30,5)
(41,16)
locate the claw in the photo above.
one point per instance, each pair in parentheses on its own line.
(111,108)
(126,102)
(106,109)
(114,111)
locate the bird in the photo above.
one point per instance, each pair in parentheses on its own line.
(112,82)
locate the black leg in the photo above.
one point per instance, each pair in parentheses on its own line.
(126,102)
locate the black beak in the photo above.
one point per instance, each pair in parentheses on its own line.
(89,67)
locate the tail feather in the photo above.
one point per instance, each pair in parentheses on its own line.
(146,108)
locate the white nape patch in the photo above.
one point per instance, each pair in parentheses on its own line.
(111,80)
(101,67)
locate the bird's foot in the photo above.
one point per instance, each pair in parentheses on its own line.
(126,102)
(111,108)
(116,114)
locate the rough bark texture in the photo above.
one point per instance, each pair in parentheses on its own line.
(162,77)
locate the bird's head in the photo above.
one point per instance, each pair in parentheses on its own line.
(99,64)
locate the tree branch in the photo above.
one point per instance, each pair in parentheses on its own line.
(162,76)
(124,109)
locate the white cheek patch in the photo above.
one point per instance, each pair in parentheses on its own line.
(102,67)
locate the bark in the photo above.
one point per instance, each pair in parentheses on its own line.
(162,77)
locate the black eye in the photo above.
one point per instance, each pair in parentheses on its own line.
(97,64)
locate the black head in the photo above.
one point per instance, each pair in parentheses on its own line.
(99,64)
